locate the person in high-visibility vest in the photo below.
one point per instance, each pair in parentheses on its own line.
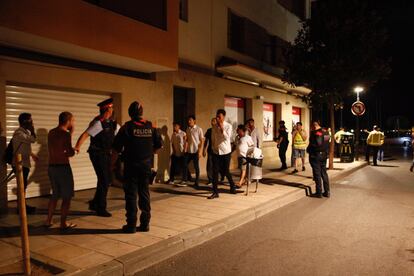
(299,137)
(374,141)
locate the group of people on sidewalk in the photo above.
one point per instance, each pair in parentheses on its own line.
(191,145)
(136,142)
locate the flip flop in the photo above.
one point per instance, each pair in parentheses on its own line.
(68,226)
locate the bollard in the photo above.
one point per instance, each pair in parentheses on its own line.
(24,232)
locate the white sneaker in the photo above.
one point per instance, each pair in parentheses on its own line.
(171,183)
(181,184)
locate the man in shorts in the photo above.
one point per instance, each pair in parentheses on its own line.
(60,172)
(299,137)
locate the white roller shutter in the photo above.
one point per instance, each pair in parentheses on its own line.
(45,106)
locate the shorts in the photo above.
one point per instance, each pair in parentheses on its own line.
(299,153)
(61,180)
(242,163)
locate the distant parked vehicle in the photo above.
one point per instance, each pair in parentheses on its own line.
(398,138)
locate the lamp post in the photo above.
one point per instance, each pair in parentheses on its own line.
(357,90)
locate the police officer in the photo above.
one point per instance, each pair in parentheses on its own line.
(102,132)
(318,150)
(137,140)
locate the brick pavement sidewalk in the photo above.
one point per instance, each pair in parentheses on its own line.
(181,218)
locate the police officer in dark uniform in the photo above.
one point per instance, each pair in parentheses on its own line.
(102,132)
(138,140)
(318,150)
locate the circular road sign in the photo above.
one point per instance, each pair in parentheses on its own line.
(358,108)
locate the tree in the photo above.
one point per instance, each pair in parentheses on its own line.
(345,43)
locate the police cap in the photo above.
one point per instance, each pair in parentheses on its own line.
(106,104)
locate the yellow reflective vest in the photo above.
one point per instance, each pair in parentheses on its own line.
(298,141)
(375,138)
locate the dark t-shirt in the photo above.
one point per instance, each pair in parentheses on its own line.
(318,141)
(60,146)
(283,134)
(137,140)
(207,140)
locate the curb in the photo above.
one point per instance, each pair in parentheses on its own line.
(139,260)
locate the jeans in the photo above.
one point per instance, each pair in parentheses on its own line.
(222,163)
(187,159)
(374,150)
(137,183)
(177,162)
(320,175)
(101,162)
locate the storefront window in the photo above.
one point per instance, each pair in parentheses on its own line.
(235,112)
(268,122)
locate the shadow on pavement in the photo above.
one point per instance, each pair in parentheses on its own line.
(272,181)
(14,231)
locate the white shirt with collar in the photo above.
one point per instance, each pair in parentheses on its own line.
(195,136)
(177,142)
(221,140)
(256,137)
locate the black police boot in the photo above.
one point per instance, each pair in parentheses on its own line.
(327,194)
(92,205)
(129,229)
(30,209)
(143,228)
(316,195)
(233,190)
(213,196)
(103,213)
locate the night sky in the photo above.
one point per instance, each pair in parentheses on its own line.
(395,97)
(392,98)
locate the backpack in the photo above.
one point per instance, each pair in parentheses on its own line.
(8,154)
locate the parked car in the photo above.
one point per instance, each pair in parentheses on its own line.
(398,138)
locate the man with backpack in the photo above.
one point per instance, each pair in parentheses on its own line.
(21,143)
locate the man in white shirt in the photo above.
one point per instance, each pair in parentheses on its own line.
(254,132)
(221,135)
(177,157)
(193,149)
(22,141)
(244,142)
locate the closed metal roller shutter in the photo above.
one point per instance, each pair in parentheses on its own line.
(45,106)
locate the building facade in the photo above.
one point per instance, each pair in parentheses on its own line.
(177,57)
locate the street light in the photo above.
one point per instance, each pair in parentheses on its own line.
(357,90)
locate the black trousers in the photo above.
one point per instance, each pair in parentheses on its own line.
(374,150)
(282,155)
(137,184)
(221,163)
(320,175)
(177,162)
(101,162)
(209,167)
(187,159)
(26,172)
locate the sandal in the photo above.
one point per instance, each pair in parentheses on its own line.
(68,226)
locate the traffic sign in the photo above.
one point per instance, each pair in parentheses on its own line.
(358,108)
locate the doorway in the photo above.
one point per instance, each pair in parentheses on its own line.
(184,105)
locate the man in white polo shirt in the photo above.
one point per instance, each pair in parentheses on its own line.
(220,136)
(193,148)
(177,156)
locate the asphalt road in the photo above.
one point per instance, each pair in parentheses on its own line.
(365,228)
